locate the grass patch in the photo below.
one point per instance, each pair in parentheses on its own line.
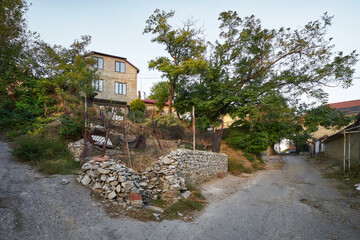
(49,155)
(235,166)
(346,180)
(195,202)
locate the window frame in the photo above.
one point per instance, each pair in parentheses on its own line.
(96,65)
(97,86)
(120,63)
(119,88)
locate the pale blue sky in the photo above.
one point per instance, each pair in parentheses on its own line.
(116,26)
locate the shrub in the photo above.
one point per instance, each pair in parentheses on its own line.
(170,127)
(137,105)
(51,156)
(137,117)
(70,127)
(250,142)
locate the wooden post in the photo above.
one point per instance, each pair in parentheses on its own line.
(127,143)
(349,157)
(344,149)
(193,122)
(107,132)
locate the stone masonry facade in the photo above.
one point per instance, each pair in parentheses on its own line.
(110,76)
(165,179)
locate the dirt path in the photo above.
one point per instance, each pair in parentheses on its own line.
(293,203)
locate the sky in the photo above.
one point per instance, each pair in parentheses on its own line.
(116,26)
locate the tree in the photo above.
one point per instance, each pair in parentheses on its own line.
(258,76)
(14,40)
(159,92)
(250,62)
(184,45)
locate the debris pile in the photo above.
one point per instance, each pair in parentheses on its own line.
(117,182)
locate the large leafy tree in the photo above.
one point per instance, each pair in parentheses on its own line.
(259,75)
(249,62)
(184,45)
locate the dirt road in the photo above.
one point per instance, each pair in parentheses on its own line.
(292,203)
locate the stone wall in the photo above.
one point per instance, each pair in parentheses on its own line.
(164,179)
(200,166)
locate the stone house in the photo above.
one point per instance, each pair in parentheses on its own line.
(117,85)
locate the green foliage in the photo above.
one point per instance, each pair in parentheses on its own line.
(160,93)
(169,126)
(326,117)
(193,203)
(167,121)
(137,105)
(137,117)
(184,45)
(250,142)
(257,76)
(51,156)
(71,127)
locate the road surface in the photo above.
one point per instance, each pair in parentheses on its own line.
(291,203)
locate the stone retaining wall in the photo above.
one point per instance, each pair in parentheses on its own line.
(164,179)
(199,166)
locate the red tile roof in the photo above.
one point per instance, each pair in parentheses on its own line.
(346,104)
(149,101)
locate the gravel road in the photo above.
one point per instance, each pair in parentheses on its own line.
(292,203)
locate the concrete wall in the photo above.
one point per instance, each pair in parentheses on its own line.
(109,76)
(335,148)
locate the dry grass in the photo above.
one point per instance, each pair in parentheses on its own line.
(144,158)
(238,163)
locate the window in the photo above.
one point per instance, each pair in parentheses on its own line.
(99,63)
(120,88)
(120,67)
(98,85)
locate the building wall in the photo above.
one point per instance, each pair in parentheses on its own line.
(109,76)
(335,148)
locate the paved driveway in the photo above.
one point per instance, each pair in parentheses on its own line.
(292,203)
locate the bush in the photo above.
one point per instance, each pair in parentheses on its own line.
(71,127)
(137,105)
(137,117)
(250,142)
(170,127)
(51,156)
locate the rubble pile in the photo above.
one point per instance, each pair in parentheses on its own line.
(117,182)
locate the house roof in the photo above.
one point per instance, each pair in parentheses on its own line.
(348,107)
(351,127)
(113,56)
(149,101)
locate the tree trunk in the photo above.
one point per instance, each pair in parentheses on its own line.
(171,97)
(156,133)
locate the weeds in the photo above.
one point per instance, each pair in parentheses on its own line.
(347,180)
(235,166)
(51,156)
(195,202)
